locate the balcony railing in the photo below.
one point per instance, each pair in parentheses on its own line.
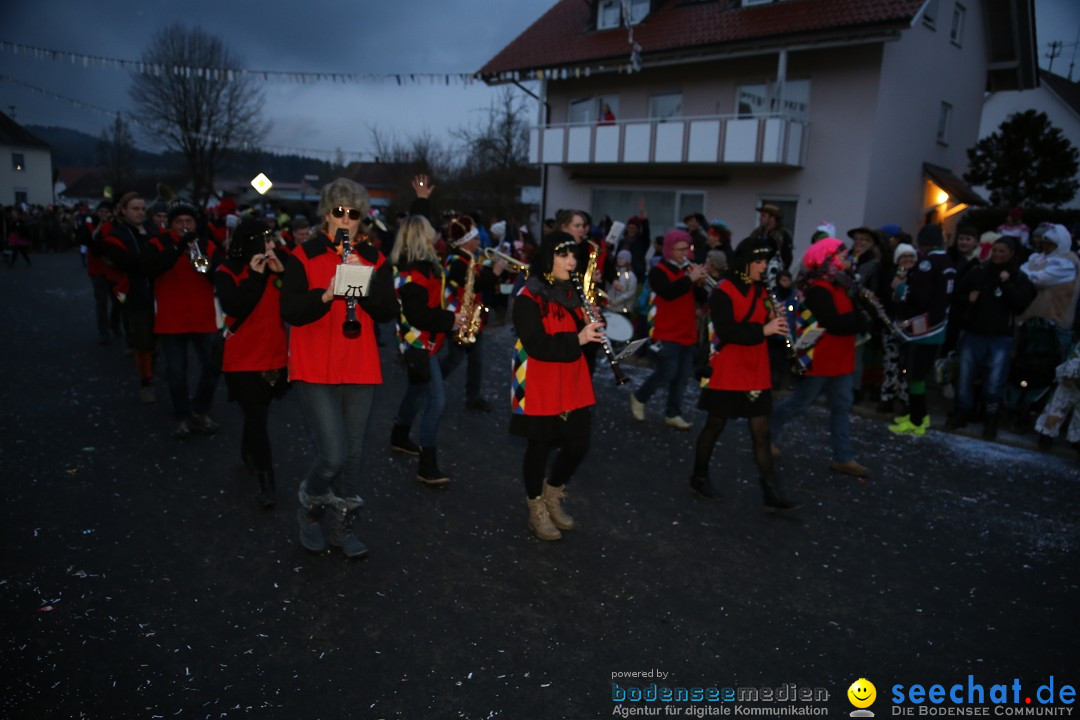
(716,139)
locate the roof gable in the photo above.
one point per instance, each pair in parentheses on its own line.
(12,133)
(564,35)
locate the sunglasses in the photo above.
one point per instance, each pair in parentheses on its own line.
(339,212)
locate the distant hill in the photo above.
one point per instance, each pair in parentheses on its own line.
(79,149)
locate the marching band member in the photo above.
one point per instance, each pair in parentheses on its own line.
(464,239)
(739,384)
(826,297)
(576,224)
(186,316)
(422,328)
(551,386)
(248,286)
(334,374)
(127,249)
(675,289)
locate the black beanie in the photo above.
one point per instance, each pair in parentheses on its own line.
(930,237)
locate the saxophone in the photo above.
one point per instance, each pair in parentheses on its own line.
(593,292)
(473,309)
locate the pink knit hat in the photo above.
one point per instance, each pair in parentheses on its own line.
(671,237)
(821,252)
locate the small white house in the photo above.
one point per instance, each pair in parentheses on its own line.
(25,166)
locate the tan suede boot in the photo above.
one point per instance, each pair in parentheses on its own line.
(553,497)
(540,521)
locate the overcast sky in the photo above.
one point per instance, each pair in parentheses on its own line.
(439,36)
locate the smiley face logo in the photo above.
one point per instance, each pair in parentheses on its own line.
(862,693)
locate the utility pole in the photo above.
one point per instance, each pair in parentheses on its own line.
(1055,50)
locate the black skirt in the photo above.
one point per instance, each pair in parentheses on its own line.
(252,386)
(735,403)
(552,428)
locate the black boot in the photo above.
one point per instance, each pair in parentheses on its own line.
(774,502)
(341,515)
(400,442)
(429,472)
(702,486)
(990,426)
(248,459)
(310,516)
(266,488)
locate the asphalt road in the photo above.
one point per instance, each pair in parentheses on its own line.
(140,580)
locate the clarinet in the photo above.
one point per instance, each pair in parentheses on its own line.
(593,316)
(351,327)
(796,366)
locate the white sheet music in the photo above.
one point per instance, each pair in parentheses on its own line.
(353,280)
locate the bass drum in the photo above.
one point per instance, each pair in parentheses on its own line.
(618,327)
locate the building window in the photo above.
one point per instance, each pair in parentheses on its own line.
(582,112)
(18,162)
(943,123)
(663,107)
(930,14)
(763,99)
(956,34)
(21,196)
(609,13)
(665,207)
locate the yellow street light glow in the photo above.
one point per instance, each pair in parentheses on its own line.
(942,197)
(261,183)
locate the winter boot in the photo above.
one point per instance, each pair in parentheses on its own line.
(400,442)
(341,516)
(702,485)
(553,497)
(310,515)
(774,502)
(540,522)
(429,472)
(266,488)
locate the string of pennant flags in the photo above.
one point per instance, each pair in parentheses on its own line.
(134,120)
(305,77)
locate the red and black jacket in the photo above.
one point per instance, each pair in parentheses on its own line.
(128,252)
(319,352)
(184,297)
(673,315)
(256,338)
(740,357)
(423,323)
(834,353)
(550,375)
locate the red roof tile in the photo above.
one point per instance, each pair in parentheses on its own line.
(563,35)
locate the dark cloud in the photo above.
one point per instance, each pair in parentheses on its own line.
(318,36)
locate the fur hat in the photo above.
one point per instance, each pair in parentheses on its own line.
(818,255)
(343,192)
(181,207)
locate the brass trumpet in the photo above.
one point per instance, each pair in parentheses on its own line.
(199,262)
(515,264)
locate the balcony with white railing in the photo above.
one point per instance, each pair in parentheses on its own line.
(717,139)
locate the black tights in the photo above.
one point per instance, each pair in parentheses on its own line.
(759,436)
(256,439)
(571,451)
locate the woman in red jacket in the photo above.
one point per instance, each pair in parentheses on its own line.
(334,372)
(248,286)
(422,328)
(551,386)
(740,381)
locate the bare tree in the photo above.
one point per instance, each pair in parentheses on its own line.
(116,151)
(496,163)
(199,105)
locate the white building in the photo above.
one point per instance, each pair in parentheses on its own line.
(25,166)
(851,112)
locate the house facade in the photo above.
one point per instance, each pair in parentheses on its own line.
(832,109)
(25,166)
